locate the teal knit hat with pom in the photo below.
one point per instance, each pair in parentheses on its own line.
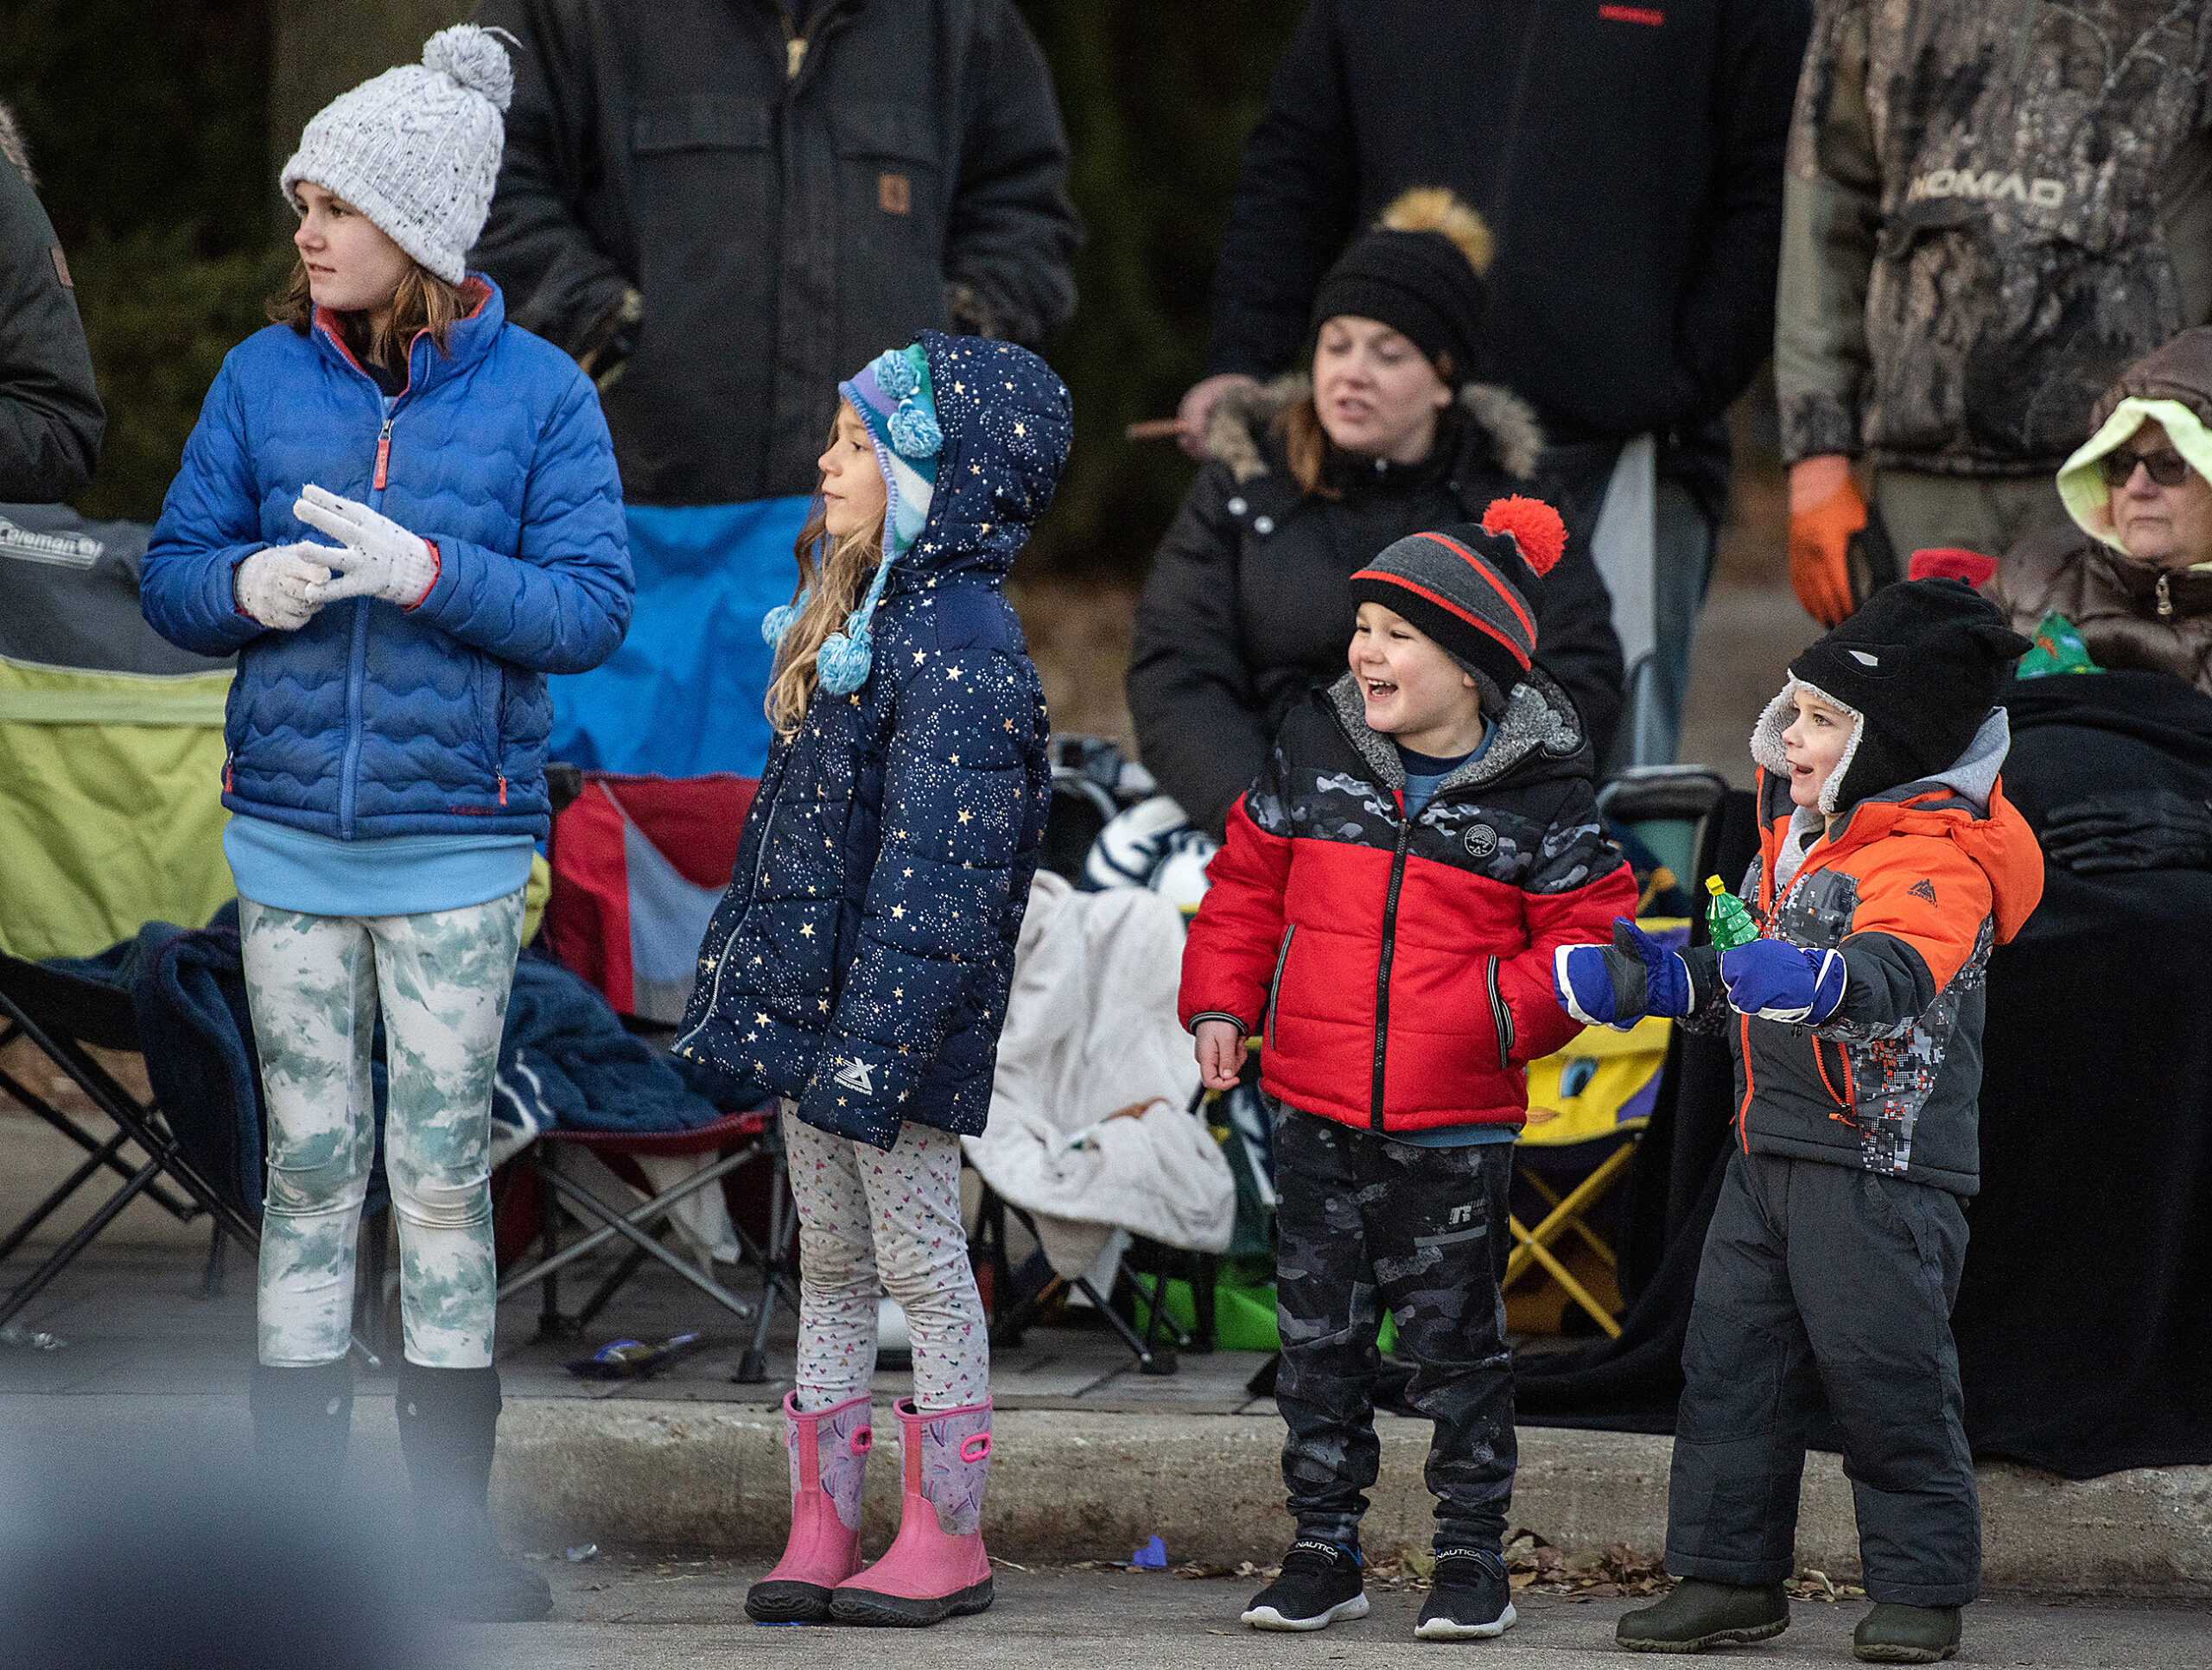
(895,403)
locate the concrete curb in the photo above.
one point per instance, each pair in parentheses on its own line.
(1069,1485)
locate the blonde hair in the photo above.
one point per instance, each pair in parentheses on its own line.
(832,574)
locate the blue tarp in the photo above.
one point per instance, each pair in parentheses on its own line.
(681,696)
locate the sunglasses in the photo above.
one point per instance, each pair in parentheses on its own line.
(2168,468)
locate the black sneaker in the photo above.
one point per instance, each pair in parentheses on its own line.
(1320,1584)
(1471,1600)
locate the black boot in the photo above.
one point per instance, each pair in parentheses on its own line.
(1896,1634)
(448,1422)
(301,1420)
(1698,1614)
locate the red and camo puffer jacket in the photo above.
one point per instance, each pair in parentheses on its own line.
(1398,969)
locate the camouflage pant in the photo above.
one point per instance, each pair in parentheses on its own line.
(315,984)
(1365,1224)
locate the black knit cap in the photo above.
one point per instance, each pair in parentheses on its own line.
(1474,589)
(1920,663)
(1418,283)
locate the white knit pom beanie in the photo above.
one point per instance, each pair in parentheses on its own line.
(416,149)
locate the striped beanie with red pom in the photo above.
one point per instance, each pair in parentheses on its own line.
(1474,587)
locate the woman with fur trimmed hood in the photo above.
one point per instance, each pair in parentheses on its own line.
(1306,479)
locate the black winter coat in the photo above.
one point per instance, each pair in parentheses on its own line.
(861,961)
(1246,609)
(783,228)
(50,414)
(1628,159)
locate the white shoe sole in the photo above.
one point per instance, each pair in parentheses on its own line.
(1445,1629)
(1266,1617)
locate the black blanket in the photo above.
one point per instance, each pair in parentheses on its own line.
(2082,1320)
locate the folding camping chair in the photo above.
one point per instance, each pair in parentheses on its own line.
(111,816)
(639,864)
(737,1139)
(1589,1104)
(66,1018)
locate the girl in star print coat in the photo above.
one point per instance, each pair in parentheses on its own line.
(859,965)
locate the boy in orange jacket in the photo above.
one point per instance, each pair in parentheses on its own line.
(1890,863)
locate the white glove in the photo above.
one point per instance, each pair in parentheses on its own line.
(275,585)
(379,558)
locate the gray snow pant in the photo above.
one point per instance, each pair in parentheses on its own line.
(1819,1277)
(1365,1224)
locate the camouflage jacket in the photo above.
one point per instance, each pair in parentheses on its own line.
(1992,206)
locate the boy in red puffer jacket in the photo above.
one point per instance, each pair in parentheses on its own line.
(1384,913)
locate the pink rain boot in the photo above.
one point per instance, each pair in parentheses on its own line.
(829,1457)
(935,1568)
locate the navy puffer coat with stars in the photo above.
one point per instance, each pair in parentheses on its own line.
(861,961)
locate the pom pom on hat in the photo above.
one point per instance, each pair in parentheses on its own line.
(894,374)
(1535,528)
(778,620)
(473,60)
(914,433)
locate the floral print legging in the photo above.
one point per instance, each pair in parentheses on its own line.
(865,1217)
(315,984)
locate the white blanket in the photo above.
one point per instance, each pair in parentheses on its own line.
(1090,1032)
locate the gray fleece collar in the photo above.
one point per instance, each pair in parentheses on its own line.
(1538,717)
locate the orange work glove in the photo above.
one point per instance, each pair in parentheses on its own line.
(1820,538)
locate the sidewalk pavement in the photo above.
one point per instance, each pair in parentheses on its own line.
(685,1615)
(1092,1458)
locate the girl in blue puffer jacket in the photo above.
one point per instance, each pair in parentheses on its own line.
(858,967)
(386,732)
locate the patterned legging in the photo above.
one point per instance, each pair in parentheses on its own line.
(315,984)
(866,1216)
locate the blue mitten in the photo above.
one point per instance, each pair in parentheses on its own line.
(1637,975)
(1774,980)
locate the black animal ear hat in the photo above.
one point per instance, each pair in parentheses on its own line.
(1920,664)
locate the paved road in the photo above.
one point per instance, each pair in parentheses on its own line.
(674,1616)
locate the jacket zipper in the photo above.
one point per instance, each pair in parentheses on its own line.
(2165,598)
(1275,986)
(384,455)
(1382,968)
(797,41)
(1501,1020)
(722,963)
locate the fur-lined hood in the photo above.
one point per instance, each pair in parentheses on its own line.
(1969,776)
(1241,419)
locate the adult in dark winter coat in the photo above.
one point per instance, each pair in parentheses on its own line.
(721,208)
(1247,608)
(1629,159)
(50,415)
(739,209)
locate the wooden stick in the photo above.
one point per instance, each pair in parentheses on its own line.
(1154,428)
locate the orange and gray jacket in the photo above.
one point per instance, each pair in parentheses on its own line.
(1991,208)
(1915,886)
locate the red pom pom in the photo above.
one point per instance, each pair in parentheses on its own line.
(1535,528)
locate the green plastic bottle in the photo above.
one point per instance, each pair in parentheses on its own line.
(1725,920)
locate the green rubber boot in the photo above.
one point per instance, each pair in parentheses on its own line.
(1699,1615)
(1891,1634)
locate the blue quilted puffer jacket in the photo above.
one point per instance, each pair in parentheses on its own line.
(372,720)
(860,960)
